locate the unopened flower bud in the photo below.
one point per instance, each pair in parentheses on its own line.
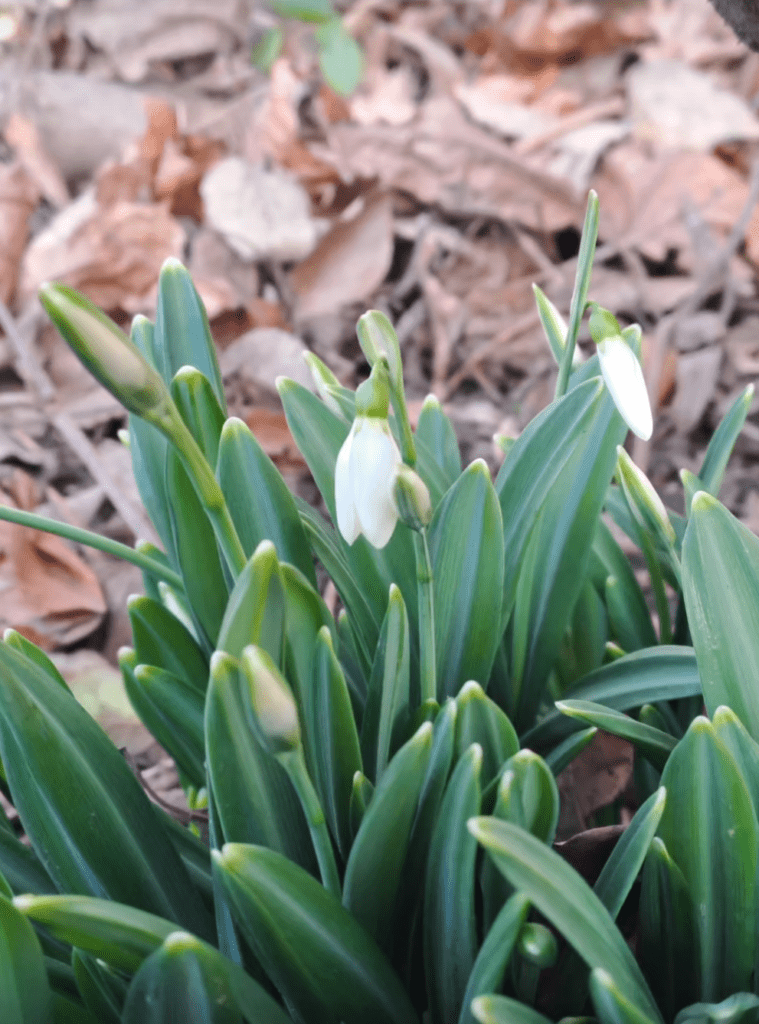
(328,387)
(412,499)
(645,504)
(274,709)
(106,351)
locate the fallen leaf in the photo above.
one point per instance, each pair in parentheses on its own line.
(273,434)
(388,96)
(596,777)
(24,138)
(349,263)
(262,355)
(493,101)
(676,106)
(260,212)
(19,195)
(696,383)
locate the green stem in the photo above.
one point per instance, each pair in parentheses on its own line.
(92,540)
(660,595)
(580,293)
(425,590)
(207,488)
(408,448)
(295,765)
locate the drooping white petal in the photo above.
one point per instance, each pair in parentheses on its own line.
(374,458)
(347,520)
(623,377)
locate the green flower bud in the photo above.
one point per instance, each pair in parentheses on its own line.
(275,713)
(645,504)
(107,352)
(412,499)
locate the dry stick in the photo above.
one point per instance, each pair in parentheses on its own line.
(523,324)
(180,814)
(612,107)
(713,272)
(34,375)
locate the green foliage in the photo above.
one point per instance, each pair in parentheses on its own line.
(380,787)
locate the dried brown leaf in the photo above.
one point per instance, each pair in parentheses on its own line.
(19,195)
(24,138)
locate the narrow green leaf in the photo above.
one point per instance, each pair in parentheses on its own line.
(255,612)
(182,336)
(450,935)
(374,871)
(160,639)
(361,797)
(620,871)
(721,589)
(260,503)
(644,677)
(302,936)
(33,653)
(744,750)
(199,408)
(553,323)
(629,618)
(21,866)
(101,988)
(466,548)
(710,830)
(387,702)
(495,953)
(654,744)
(254,798)
(561,895)
(668,934)
(51,748)
(480,720)
(722,442)
(611,1005)
(504,1010)
(566,751)
(24,990)
(435,430)
(337,755)
(741,1008)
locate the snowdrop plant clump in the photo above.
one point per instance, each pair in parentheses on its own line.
(372,793)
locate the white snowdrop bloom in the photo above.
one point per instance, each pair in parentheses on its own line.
(364,480)
(623,377)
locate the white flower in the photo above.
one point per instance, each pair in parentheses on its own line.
(364,479)
(623,377)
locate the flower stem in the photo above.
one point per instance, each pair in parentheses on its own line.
(425,589)
(295,765)
(92,540)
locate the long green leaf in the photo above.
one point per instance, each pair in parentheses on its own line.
(480,720)
(652,743)
(561,895)
(620,871)
(24,990)
(51,749)
(450,937)
(303,936)
(710,830)
(435,430)
(504,1010)
(160,639)
(466,548)
(721,589)
(387,702)
(255,611)
(611,1005)
(722,441)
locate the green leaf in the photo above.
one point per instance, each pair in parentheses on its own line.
(374,871)
(611,1005)
(644,677)
(561,895)
(302,936)
(199,408)
(361,797)
(654,744)
(721,589)
(260,503)
(304,10)
(255,612)
(668,934)
(566,751)
(553,323)
(466,549)
(745,751)
(51,748)
(21,867)
(197,553)
(435,430)
(584,645)
(450,934)
(721,445)
(629,618)
(741,1008)
(337,754)
(580,291)
(160,639)
(480,720)
(341,59)
(182,335)
(503,1010)
(24,990)
(183,980)
(387,702)
(101,988)
(254,798)
(710,830)
(33,653)
(495,953)
(620,871)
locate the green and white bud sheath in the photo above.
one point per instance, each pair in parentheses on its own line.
(622,372)
(277,726)
(328,387)
(412,499)
(366,466)
(378,341)
(113,360)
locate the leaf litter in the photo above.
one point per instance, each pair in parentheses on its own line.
(451,180)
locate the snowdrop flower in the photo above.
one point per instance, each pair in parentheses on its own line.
(364,481)
(622,372)
(623,377)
